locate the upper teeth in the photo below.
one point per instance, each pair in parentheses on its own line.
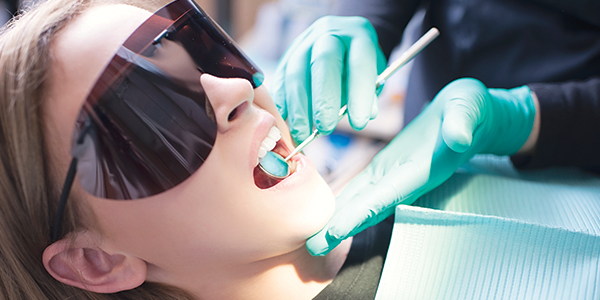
(269,142)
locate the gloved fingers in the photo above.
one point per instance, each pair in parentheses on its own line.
(381,65)
(334,235)
(298,48)
(278,90)
(381,61)
(400,185)
(320,244)
(461,117)
(327,65)
(362,74)
(323,242)
(361,182)
(374,108)
(298,94)
(365,211)
(295,85)
(463,112)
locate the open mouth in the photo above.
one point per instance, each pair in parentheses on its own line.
(272,143)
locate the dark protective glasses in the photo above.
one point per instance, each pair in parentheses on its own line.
(147,124)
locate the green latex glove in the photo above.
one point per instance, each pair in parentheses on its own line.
(332,63)
(465,118)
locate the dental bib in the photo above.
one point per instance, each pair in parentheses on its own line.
(491,232)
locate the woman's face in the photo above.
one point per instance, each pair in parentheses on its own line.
(218,216)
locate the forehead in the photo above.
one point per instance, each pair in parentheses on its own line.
(79,53)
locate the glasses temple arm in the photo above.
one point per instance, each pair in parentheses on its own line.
(63,200)
(66,190)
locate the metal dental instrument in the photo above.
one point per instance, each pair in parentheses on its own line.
(404,58)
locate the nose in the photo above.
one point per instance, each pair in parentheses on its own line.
(230,98)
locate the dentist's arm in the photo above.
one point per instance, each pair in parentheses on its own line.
(569,134)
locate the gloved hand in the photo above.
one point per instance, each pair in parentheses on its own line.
(465,118)
(332,63)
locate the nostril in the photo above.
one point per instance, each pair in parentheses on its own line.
(231,116)
(236,112)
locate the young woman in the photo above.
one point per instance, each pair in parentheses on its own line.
(156,121)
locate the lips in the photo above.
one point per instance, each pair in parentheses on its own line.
(272,142)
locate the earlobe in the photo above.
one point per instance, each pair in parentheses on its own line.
(93,269)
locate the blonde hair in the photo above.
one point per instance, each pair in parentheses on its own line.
(28,194)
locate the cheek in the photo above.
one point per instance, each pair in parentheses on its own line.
(198,220)
(307,209)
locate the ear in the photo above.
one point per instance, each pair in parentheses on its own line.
(90,268)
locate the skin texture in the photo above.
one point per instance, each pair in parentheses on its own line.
(531,142)
(216,234)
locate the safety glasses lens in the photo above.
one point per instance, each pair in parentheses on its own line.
(147,124)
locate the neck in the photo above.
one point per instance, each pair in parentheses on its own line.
(294,276)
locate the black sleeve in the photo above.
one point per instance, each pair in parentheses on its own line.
(389,17)
(584,10)
(569,127)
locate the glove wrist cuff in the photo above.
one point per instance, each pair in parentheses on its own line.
(513,120)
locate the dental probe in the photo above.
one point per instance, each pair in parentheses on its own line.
(404,58)
(273,165)
(315,134)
